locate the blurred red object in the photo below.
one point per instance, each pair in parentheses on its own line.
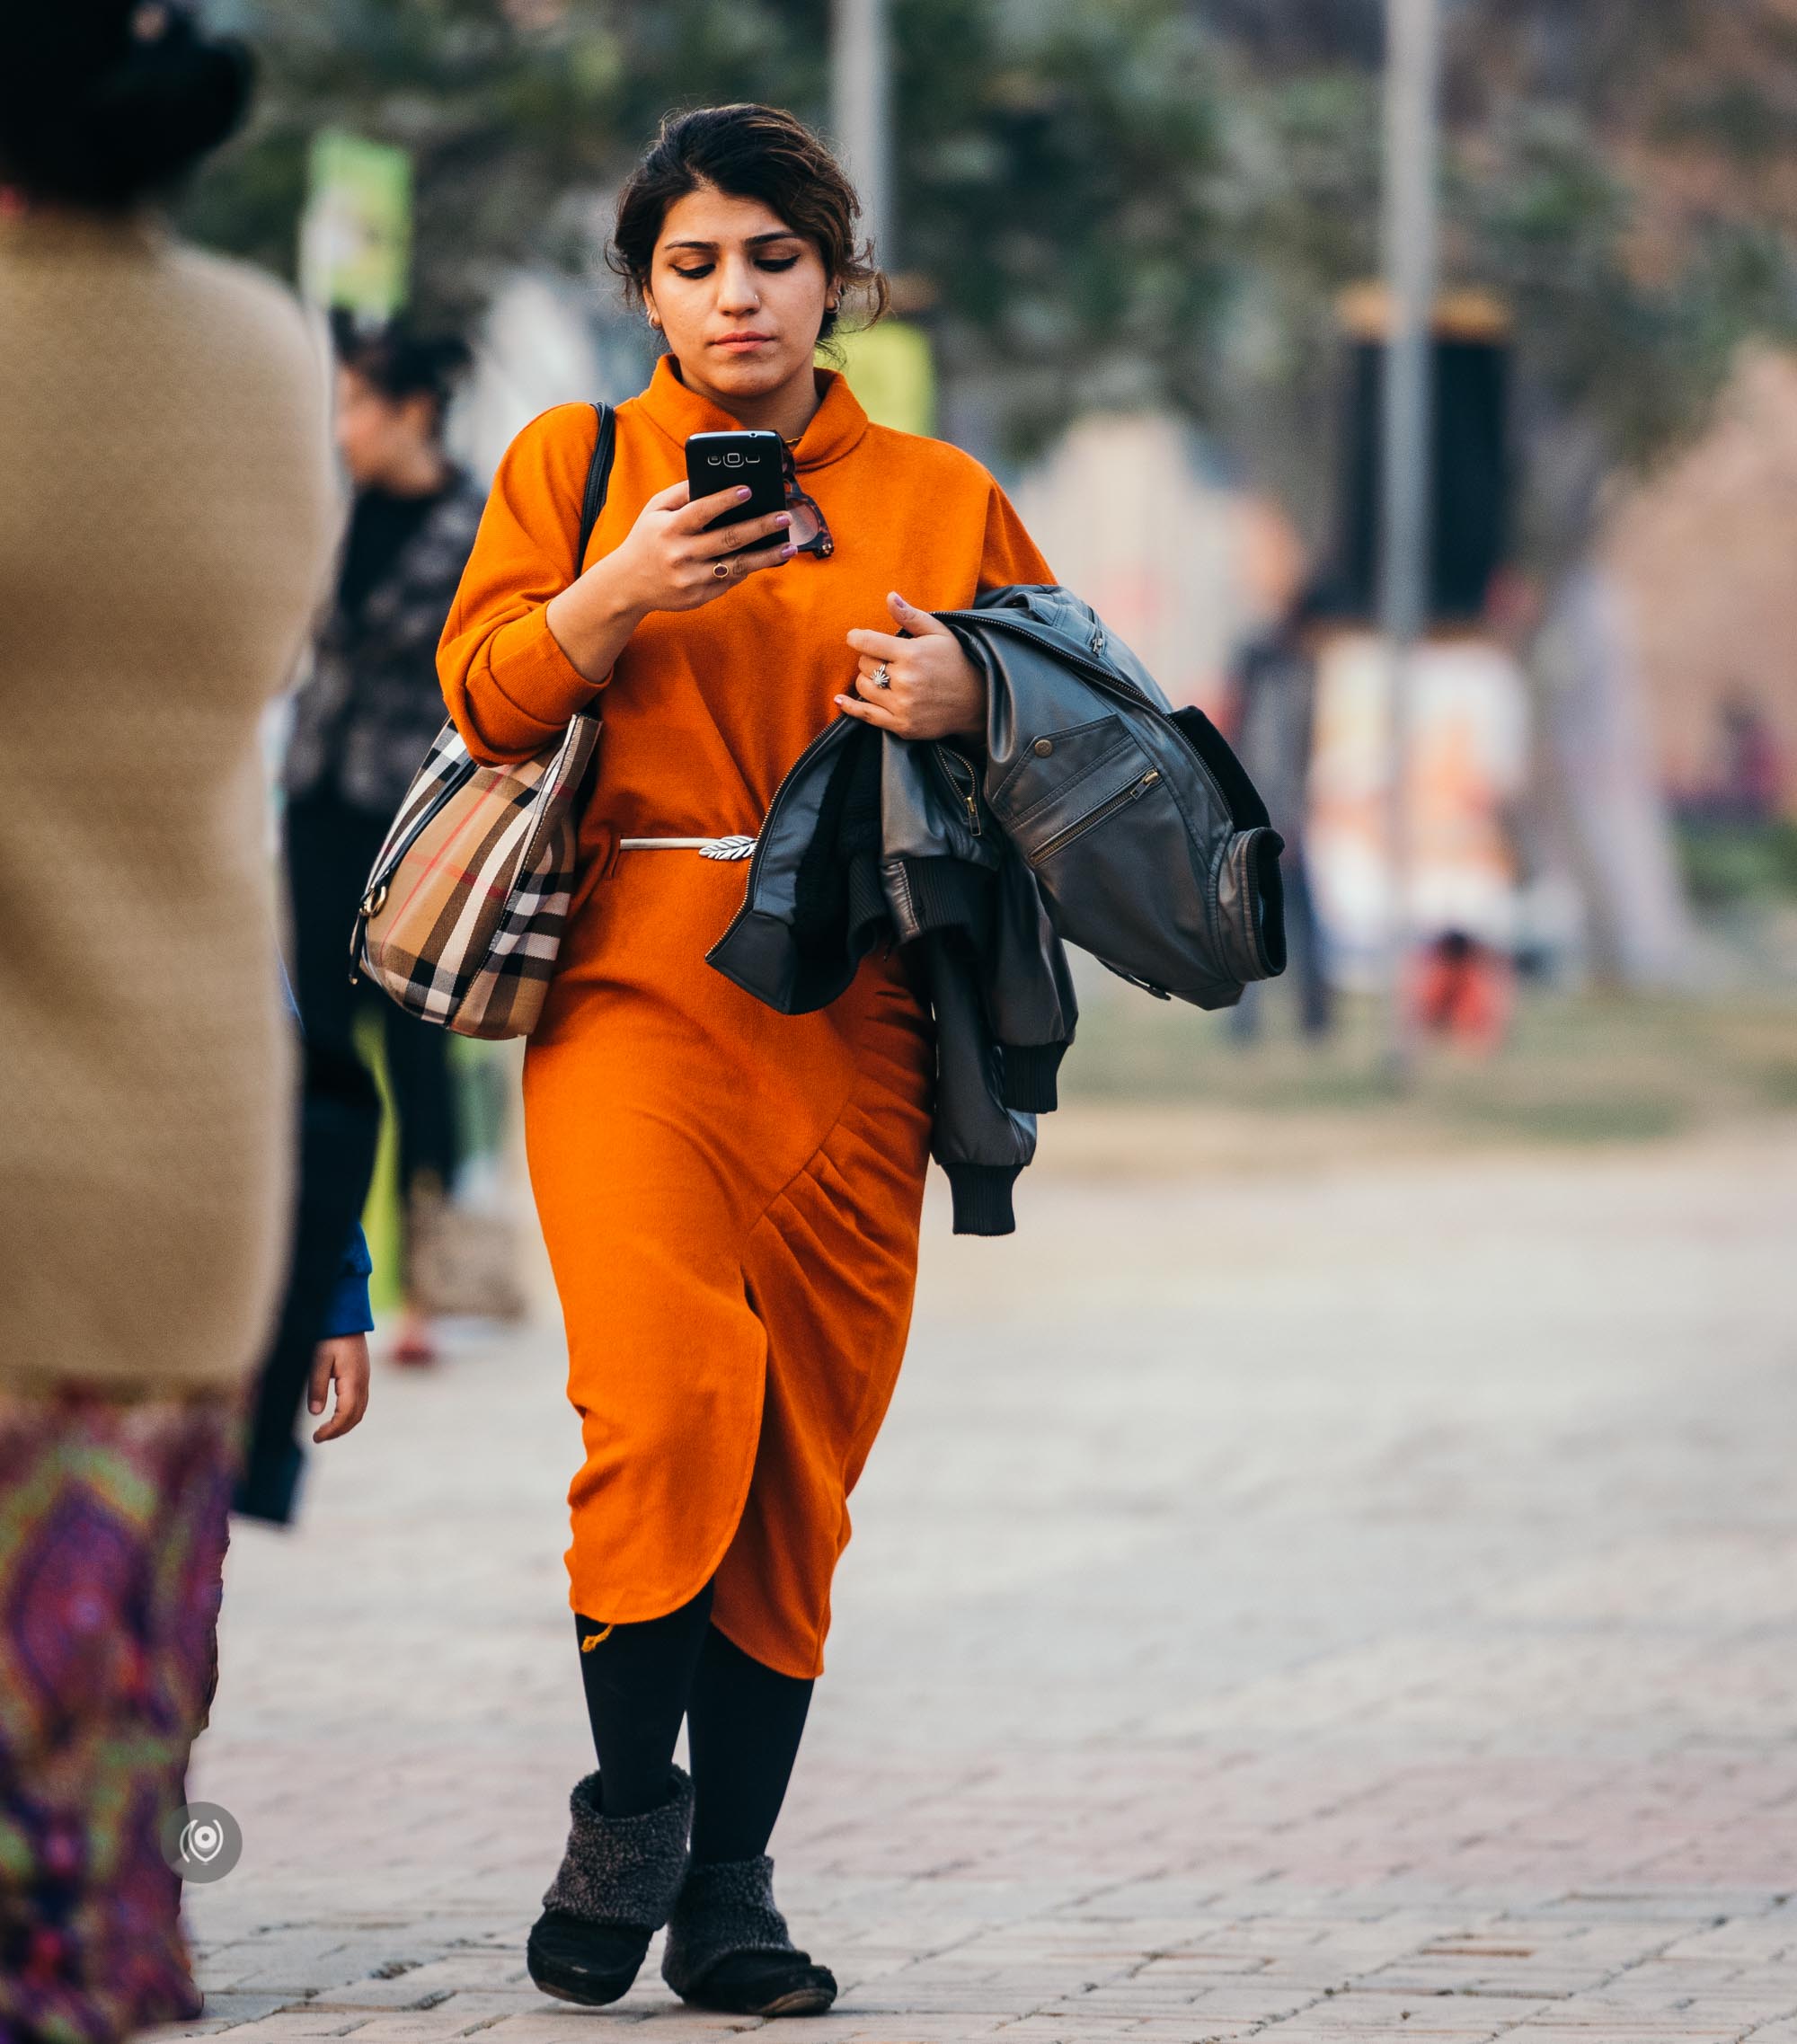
(1463,990)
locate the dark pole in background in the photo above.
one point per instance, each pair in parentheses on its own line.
(1412,73)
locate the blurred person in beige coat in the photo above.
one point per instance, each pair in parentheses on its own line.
(167,509)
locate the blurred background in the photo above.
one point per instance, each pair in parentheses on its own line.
(1139,271)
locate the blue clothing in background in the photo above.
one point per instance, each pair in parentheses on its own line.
(348,1311)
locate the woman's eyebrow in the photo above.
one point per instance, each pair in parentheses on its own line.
(754,241)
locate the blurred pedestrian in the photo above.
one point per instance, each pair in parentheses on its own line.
(364,721)
(1274,716)
(1462,991)
(730,1197)
(167,515)
(321,1332)
(1749,786)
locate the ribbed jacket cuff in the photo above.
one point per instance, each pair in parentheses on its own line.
(1028,1073)
(981,1194)
(942,894)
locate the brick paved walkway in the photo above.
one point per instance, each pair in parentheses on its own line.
(1359,1604)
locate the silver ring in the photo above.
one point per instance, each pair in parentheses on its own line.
(881,676)
(723,571)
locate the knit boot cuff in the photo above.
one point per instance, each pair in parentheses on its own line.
(723,1909)
(623,1870)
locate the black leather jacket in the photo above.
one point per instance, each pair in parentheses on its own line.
(983,865)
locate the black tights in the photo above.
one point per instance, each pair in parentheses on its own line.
(744,1722)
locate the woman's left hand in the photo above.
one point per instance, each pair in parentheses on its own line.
(928,689)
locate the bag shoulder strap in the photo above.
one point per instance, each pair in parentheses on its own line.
(598,479)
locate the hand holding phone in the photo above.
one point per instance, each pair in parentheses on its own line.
(673,557)
(721,461)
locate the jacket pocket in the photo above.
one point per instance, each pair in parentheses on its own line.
(1055,768)
(1119,880)
(1101,812)
(1119,877)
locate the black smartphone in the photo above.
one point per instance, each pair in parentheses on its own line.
(722,460)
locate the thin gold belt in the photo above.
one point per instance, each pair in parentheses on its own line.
(706,847)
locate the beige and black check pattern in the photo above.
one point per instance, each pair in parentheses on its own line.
(468,901)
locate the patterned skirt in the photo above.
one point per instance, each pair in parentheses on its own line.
(112,1531)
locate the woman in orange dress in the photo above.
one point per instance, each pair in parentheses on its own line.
(730,1196)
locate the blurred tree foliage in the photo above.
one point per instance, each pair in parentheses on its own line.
(1132,200)
(1059,172)
(1621,173)
(519,114)
(1055,176)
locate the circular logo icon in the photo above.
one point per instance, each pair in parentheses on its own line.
(202,1841)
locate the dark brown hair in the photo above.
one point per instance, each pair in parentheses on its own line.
(400,362)
(103,103)
(748,152)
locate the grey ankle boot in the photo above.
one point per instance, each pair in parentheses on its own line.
(617,1882)
(728,1947)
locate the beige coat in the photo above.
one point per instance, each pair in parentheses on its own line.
(167,511)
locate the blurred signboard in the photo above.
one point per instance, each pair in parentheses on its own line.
(1470,490)
(891,369)
(355,243)
(1468,750)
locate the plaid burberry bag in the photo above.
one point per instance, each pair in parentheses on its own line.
(468,898)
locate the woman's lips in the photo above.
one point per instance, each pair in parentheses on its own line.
(739,342)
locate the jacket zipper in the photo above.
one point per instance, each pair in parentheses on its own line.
(1093,818)
(950,760)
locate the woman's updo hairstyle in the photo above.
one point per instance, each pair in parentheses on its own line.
(747,152)
(401,363)
(103,103)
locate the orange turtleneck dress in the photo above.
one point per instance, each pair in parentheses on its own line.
(730,1196)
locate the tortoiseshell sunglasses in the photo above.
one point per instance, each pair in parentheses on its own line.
(807,532)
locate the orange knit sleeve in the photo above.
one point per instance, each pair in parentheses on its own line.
(1010,554)
(509,687)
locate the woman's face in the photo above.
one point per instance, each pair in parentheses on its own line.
(740,295)
(380,439)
